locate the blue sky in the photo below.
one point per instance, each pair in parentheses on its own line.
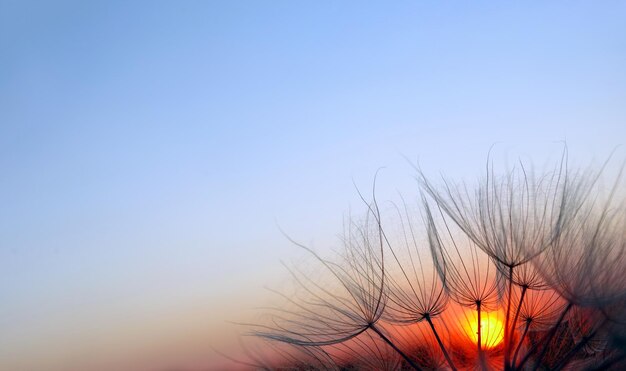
(148,150)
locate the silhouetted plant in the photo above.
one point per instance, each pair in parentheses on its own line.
(512,218)
(355,304)
(417,292)
(524,271)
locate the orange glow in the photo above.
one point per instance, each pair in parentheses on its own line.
(492,329)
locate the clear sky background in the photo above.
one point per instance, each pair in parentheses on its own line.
(148,150)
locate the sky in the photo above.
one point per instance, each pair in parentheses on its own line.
(152,152)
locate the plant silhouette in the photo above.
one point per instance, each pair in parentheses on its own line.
(523,271)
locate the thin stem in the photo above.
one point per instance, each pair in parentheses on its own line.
(443,348)
(563,362)
(533,349)
(478,330)
(578,347)
(519,346)
(391,344)
(512,334)
(548,340)
(507,353)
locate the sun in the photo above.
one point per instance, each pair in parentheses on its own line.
(492,329)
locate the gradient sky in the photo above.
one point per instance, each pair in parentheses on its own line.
(148,151)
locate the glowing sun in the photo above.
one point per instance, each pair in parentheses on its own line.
(492,329)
